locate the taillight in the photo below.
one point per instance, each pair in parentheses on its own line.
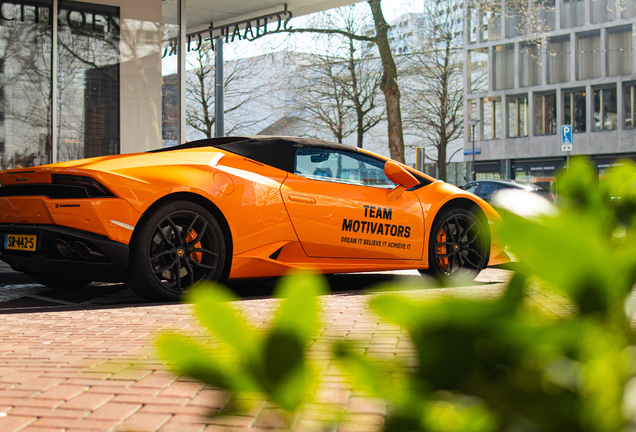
(93,188)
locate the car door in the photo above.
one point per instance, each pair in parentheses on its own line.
(337,201)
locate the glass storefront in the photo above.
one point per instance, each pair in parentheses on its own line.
(488,170)
(25,50)
(539,172)
(88,61)
(97,90)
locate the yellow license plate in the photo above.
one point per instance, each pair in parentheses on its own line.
(22,242)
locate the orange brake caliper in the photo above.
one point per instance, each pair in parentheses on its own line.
(441,238)
(196,256)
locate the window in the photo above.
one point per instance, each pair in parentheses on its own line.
(341,167)
(574,112)
(545,114)
(518,116)
(472,114)
(619,50)
(572,13)
(491,20)
(603,10)
(516,12)
(629,95)
(504,59)
(605,109)
(546,15)
(628,9)
(558,59)
(588,55)
(529,64)
(492,118)
(478,70)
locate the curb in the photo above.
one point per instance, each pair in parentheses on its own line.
(14,277)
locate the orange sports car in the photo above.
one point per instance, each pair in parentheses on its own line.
(237,207)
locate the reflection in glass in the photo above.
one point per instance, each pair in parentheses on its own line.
(492,126)
(25,73)
(518,116)
(88,80)
(545,113)
(478,70)
(169,76)
(574,111)
(628,103)
(605,109)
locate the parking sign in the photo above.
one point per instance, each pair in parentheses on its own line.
(566,134)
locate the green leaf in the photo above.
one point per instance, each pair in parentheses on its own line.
(298,312)
(371,376)
(213,307)
(190,358)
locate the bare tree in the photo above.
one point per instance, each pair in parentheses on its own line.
(435,76)
(389,82)
(241,86)
(320,99)
(340,90)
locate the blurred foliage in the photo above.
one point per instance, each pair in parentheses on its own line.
(273,364)
(482,366)
(506,366)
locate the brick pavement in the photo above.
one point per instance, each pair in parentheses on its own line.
(95,369)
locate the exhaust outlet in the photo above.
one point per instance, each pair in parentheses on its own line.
(82,250)
(64,248)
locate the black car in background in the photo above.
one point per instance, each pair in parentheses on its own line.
(486,188)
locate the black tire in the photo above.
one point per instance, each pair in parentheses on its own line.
(179,244)
(465,235)
(58,282)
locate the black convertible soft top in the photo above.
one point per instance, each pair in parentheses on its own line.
(276,151)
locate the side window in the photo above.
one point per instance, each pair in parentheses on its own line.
(341,167)
(485,190)
(472,188)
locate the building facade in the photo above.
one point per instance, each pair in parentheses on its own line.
(531,67)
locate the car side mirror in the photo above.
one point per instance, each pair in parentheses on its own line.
(397,174)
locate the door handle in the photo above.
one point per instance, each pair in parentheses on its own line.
(301,198)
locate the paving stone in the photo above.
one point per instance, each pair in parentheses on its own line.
(96,368)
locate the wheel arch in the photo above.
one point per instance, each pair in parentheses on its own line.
(466,204)
(203,202)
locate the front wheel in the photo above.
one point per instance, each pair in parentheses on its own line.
(178,245)
(458,245)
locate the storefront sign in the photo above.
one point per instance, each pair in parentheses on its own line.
(84,19)
(250,30)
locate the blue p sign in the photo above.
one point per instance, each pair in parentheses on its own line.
(566,134)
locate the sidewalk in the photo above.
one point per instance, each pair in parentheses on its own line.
(95,369)
(10,276)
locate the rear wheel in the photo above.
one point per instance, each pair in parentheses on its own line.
(458,245)
(58,282)
(179,244)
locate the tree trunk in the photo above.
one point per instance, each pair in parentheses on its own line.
(441,161)
(389,84)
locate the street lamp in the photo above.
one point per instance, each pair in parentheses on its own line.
(473,123)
